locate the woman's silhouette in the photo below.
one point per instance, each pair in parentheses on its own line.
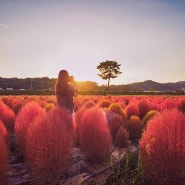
(65,90)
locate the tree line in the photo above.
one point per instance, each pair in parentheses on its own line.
(45,83)
(42,83)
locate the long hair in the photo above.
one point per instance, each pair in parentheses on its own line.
(61,86)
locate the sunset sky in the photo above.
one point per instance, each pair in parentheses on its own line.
(38,38)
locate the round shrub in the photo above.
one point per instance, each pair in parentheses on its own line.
(4,156)
(88,104)
(149,115)
(77,102)
(168,104)
(122,138)
(14,102)
(182,105)
(163,148)
(24,119)
(132,109)
(7,116)
(77,122)
(116,108)
(4,133)
(134,126)
(104,103)
(49,144)
(33,98)
(95,137)
(115,121)
(49,106)
(143,107)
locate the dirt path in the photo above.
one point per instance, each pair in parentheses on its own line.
(81,172)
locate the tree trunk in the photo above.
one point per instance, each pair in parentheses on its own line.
(105,91)
(108,83)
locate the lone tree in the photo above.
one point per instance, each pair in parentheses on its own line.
(108,69)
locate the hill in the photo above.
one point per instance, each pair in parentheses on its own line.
(45,83)
(149,85)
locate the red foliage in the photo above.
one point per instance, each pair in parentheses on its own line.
(116,108)
(134,126)
(132,109)
(77,122)
(115,121)
(143,107)
(77,102)
(89,104)
(182,105)
(49,143)
(168,104)
(3,160)
(156,102)
(14,102)
(104,103)
(24,119)
(75,134)
(122,138)
(49,106)
(78,116)
(95,137)
(7,116)
(4,133)
(163,148)
(149,115)
(122,102)
(31,99)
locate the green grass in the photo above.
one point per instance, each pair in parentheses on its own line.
(129,172)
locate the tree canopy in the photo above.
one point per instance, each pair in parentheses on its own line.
(108,70)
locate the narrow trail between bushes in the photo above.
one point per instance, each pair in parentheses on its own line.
(80,173)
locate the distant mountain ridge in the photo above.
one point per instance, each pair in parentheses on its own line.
(148,85)
(45,83)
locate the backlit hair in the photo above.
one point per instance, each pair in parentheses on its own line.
(61,86)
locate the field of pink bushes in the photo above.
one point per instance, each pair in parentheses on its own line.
(46,135)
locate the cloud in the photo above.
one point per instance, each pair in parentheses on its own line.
(4,26)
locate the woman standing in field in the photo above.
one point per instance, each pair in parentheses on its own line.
(65,90)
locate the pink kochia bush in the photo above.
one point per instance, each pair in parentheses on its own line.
(77,122)
(169,104)
(7,116)
(163,148)
(115,121)
(95,137)
(116,108)
(143,107)
(182,105)
(3,157)
(49,144)
(4,133)
(14,102)
(122,138)
(134,127)
(132,109)
(24,119)
(104,103)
